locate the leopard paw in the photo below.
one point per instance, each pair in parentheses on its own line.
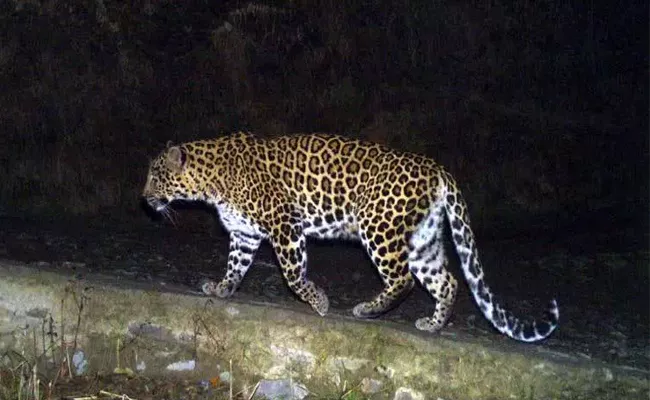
(320,303)
(222,289)
(428,324)
(365,310)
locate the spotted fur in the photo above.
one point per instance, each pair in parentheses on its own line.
(289,188)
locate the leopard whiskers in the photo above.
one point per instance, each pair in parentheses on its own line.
(170,214)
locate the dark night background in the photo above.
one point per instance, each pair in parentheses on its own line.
(539,109)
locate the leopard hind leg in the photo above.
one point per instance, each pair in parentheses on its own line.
(428,264)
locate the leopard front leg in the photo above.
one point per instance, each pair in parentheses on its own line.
(289,244)
(240,257)
(397,284)
(388,252)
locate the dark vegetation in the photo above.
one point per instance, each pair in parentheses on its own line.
(540,109)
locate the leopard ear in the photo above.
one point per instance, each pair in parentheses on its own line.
(169,144)
(176,158)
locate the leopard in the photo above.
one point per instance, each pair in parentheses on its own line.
(288,188)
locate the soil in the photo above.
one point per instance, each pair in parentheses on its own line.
(600,278)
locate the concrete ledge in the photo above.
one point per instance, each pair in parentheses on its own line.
(154,331)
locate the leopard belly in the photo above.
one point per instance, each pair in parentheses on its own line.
(345,230)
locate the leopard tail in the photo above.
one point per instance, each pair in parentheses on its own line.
(463,237)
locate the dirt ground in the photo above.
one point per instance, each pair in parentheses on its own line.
(600,278)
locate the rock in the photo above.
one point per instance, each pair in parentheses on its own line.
(187,365)
(80,363)
(232,311)
(407,394)
(284,389)
(607,374)
(297,357)
(370,386)
(225,377)
(345,363)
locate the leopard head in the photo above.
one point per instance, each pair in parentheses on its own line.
(168,179)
